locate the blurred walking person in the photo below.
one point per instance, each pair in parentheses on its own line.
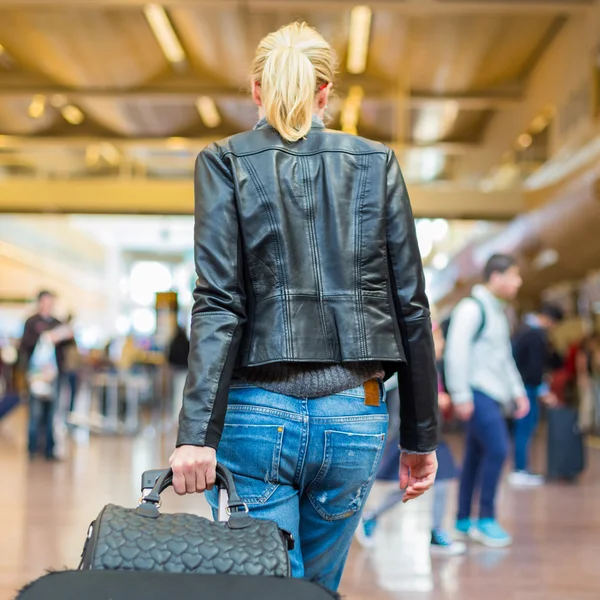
(41,405)
(485,385)
(533,355)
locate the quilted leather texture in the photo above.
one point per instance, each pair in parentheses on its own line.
(185,543)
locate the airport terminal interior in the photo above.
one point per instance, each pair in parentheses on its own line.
(493,110)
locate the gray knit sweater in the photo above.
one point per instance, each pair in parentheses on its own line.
(310,380)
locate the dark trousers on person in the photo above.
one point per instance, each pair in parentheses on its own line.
(41,417)
(486,450)
(524,430)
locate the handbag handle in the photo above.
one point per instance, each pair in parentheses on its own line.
(224,481)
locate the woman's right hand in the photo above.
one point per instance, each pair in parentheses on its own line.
(417,474)
(194,469)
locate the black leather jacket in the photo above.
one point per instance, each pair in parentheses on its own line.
(305,252)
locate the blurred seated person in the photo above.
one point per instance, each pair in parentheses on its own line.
(533,355)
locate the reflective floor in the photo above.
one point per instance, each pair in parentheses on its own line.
(46,508)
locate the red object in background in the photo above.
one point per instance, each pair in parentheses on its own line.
(559,381)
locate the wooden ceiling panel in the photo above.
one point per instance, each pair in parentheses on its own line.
(94,47)
(142,117)
(457,54)
(222,42)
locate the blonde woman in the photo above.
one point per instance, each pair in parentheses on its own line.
(310,293)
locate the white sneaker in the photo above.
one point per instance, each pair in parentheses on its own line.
(525,479)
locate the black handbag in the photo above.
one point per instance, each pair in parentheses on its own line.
(143,539)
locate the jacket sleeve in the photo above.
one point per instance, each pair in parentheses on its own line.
(218,313)
(417,379)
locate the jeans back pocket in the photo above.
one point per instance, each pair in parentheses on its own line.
(347,473)
(252,453)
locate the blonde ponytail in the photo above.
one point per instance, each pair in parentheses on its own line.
(290,65)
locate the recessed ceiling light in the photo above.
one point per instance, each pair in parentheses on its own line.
(358,39)
(165,34)
(37,106)
(72,114)
(207,109)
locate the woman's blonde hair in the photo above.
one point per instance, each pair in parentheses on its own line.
(291,65)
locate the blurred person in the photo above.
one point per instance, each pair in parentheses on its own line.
(533,355)
(43,380)
(179,349)
(71,366)
(41,321)
(586,357)
(309,332)
(483,382)
(441,541)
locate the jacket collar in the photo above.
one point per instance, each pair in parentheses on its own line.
(317,123)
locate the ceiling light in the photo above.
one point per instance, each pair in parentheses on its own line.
(165,34)
(110,153)
(539,124)
(37,106)
(208,111)
(440,229)
(358,39)
(92,155)
(525,140)
(435,122)
(440,261)
(2,50)
(351,110)
(72,114)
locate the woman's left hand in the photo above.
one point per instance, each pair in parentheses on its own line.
(194,469)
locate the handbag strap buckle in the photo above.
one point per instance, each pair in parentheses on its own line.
(233,509)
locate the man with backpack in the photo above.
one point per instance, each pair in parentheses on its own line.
(485,386)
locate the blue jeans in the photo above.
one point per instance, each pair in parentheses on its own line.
(308,465)
(525,429)
(486,450)
(41,414)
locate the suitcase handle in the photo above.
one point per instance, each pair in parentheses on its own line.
(161,480)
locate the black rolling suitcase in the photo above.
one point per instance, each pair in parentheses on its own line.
(566,456)
(143,585)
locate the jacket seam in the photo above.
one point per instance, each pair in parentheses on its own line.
(280,265)
(351,296)
(314,153)
(358,257)
(314,249)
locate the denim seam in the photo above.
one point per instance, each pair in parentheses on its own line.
(304,441)
(351,419)
(266,411)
